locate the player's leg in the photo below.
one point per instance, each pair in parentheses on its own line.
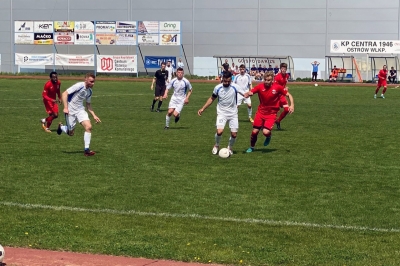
(283,104)
(160,99)
(384,84)
(220,124)
(378,86)
(249,108)
(157,96)
(178,110)
(49,110)
(257,125)
(168,116)
(53,115)
(83,119)
(234,126)
(267,128)
(69,127)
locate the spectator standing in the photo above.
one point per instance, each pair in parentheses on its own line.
(392,75)
(180,63)
(314,75)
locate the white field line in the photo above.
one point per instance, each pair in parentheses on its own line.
(201,217)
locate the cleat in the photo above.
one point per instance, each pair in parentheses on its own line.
(43,121)
(251,119)
(59,130)
(375,96)
(158,110)
(215,150)
(250,150)
(267,140)
(166,127)
(382,96)
(89,152)
(47,130)
(230,151)
(177,118)
(278,126)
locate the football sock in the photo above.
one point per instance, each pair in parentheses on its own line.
(283,114)
(384,90)
(267,135)
(49,120)
(167,118)
(159,104)
(217,139)
(253,139)
(64,129)
(250,111)
(87,137)
(154,102)
(232,141)
(377,89)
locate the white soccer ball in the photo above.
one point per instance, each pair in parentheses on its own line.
(316,84)
(224,153)
(2,253)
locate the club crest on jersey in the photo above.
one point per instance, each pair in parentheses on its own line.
(273,91)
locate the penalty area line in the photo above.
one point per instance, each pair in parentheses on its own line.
(201,217)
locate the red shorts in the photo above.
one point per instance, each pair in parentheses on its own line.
(264,121)
(382,83)
(283,101)
(50,106)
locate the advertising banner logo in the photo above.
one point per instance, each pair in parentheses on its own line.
(23,38)
(126,25)
(84,26)
(148,39)
(117,63)
(34,59)
(148,26)
(64,38)
(64,26)
(23,26)
(105,26)
(155,61)
(74,60)
(126,39)
(170,26)
(84,38)
(105,39)
(365,46)
(43,26)
(170,39)
(43,38)
(106,63)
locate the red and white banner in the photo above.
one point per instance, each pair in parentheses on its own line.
(64,38)
(74,59)
(34,59)
(117,63)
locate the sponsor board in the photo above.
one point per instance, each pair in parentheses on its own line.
(365,46)
(126,25)
(74,59)
(117,63)
(34,59)
(126,38)
(23,38)
(43,26)
(147,27)
(84,38)
(84,26)
(105,39)
(155,61)
(64,38)
(170,26)
(23,26)
(43,38)
(105,26)
(148,39)
(64,26)
(170,39)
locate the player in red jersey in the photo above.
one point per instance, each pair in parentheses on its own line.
(382,75)
(269,94)
(50,92)
(281,78)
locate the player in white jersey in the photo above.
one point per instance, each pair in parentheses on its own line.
(182,91)
(74,110)
(170,70)
(226,110)
(244,81)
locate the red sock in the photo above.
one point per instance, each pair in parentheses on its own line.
(267,135)
(283,114)
(377,89)
(253,139)
(49,120)
(384,90)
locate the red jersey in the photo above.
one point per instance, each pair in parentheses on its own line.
(281,79)
(382,74)
(50,91)
(269,98)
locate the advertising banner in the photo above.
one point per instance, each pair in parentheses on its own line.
(148,26)
(34,59)
(84,38)
(74,59)
(23,26)
(117,63)
(365,46)
(43,26)
(126,38)
(43,38)
(64,26)
(84,26)
(170,39)
(155,61)
(126,25)
(170,27)
(64,38)
(105,26)
(105,38)
(23,38)
(148,39)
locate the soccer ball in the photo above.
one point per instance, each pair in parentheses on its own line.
(224,153)
(316,84)
(2,253)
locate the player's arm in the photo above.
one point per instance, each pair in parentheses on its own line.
(59,93)
(154,80)
(45,96)
(187,96)
(207,104)
(250,92)
(291,106)
(89,108)
(64,98)
(169,86)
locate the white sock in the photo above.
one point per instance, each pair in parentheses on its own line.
(250,111)
(87,137)
(64,129)
(167,118)
(231,142)
(217,139)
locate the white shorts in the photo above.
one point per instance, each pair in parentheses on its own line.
(176,104)
(81,116)
(241,99)
(233,121)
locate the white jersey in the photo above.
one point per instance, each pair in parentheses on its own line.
(180,64)
(170,70)
(227,99)
(76,95)
(180,88)
(244,82)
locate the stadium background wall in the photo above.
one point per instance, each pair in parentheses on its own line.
(300,28)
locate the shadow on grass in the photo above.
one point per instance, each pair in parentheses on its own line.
(76,152)
(264,150)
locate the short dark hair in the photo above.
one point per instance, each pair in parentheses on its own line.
(53,73)
(227,74)
(90,75)
(179,69)
(163,63)
(242,66)
(283,65)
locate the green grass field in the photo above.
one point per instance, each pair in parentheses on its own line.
(324,192)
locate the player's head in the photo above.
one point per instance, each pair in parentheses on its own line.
(162,65)
(242,69)
(268,78)
(168,63)
(392,68)
(53,77)
(283,68)
(179,73)
(89,80)
(227,78)
(384,67)
(226,60)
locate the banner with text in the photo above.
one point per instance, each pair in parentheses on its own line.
(34,59)
(23,38)
(117,63)
(155,61)
(23,26)
(64,26)
(365,46)
(74,59)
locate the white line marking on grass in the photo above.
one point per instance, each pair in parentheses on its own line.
(200,217)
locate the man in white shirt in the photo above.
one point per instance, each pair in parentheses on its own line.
(244,81)
(170,70)
(74,110)
(227,111)
(180,63)
(182,91)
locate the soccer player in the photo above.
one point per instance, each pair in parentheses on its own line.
(244,81)
(269,94)
(182,91)
(170,70)
(281,78)
(50,92)
(334,74)
(160,77)
(227,111)
(382,82)
(74,110)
